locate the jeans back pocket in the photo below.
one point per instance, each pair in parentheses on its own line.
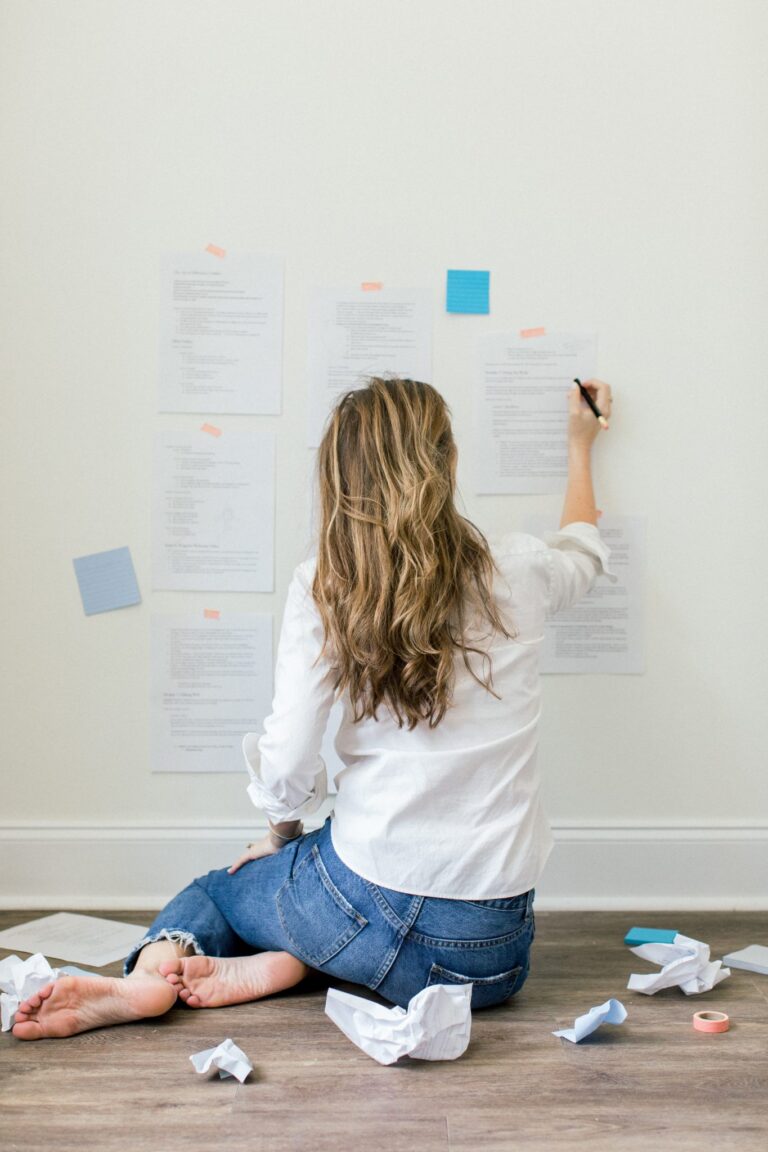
(317,919)
(487,991)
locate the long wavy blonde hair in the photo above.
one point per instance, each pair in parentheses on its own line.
(399,570)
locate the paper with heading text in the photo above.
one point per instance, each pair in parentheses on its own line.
(221,333)
(211,683)
(213,512)
(521,408)
(355,333)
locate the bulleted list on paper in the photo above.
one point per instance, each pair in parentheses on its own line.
(521,421)
(213,512)
(211,683)
(354,334)
(221,333)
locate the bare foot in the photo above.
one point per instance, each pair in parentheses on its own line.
(213,981)
(76,1003)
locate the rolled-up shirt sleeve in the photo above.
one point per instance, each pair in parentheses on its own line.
(288,777)
(577,556)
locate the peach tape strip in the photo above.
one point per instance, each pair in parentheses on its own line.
(211,613)
(711,1022)
(211,429)
(216,251)
(371,285)
(526,333)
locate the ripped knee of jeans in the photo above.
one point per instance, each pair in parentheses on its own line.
(186,939)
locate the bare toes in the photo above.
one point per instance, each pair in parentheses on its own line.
(173,978)
(37,998)
(33,1002)
(193,1001)
(169,967)
(27,1030)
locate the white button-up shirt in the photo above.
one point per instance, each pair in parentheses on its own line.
(451,811)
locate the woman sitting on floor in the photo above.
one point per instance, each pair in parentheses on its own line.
(425,871)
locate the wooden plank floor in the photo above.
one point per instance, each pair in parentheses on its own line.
(654,1083)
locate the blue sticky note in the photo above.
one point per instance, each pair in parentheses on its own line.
(468,291)
(638,936)
(107,580)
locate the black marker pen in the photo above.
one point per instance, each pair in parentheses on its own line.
(600,418)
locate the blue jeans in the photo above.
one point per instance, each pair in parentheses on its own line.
(304,900)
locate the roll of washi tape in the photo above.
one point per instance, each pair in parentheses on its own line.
(711,1022)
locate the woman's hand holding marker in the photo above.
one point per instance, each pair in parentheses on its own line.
(589,409)
(589,406)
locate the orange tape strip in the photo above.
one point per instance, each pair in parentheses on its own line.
(526,333)
(371,285)
(216,251)
(211,429)
(211,613)
(711,1022)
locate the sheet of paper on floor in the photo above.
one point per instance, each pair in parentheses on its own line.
(355,333)
(70,936)
(211,683)
(520,441)
(604,632)
(213,511)
(221,333)
(753,958)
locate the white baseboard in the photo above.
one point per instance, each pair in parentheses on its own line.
(593,866)
(675,867)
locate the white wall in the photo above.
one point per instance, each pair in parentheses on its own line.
(605,159)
